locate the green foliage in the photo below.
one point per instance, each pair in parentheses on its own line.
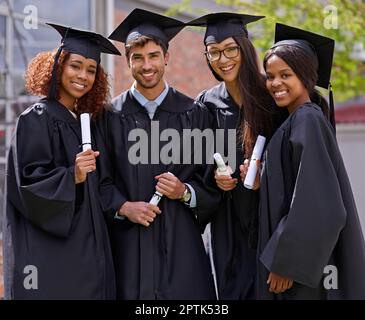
(348,74)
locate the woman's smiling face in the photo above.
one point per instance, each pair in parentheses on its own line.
(284,85)
(226,68)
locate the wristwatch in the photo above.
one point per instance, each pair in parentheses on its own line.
(187,195)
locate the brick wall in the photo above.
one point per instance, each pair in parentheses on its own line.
(186,71)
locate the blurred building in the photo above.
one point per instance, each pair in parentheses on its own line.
(350,118)
(23,34)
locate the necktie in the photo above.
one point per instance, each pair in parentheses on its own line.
(151,107)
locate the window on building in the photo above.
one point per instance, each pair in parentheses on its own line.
(20,40)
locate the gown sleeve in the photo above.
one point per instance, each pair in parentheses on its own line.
(47,192)
(303,241)
(111,198)
(208,196)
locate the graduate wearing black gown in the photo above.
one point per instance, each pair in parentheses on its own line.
(234,226)
(53,224)
(164,258)
(308,217)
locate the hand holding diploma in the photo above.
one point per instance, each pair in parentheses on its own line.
(170,186)
(142,212)
(85,131)
(139,212)
(249,171)
(222,169)
(86,160)
(157,196)
(223,174)
(244,169)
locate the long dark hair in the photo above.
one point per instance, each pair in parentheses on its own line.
(305,65)
(261,115)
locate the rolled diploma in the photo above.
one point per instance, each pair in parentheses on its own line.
(156,198)
(85,131)
(222,169)
(256,155)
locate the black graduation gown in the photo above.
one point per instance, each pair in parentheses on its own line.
(166,260)
(308,217)
(51,223)
(233,225)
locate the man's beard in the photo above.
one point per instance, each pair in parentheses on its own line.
(148,84)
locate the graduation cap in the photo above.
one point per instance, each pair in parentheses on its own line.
(146,23)
(223,25)
(322,46)
(85,43)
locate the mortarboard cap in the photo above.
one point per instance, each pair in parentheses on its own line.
(322,46)
(85,43)
(146,23)
(223,25)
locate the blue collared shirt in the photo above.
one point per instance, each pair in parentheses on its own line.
(142,99)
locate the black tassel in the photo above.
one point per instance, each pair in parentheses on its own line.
(332,108)
(52,92)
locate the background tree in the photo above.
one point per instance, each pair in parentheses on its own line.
(338,19)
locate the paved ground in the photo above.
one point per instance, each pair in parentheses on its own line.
(1,271)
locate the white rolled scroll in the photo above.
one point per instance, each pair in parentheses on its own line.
(85,131)
(256,155)
(156,198)
(222,169)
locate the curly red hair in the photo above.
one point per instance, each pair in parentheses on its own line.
(38,79)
